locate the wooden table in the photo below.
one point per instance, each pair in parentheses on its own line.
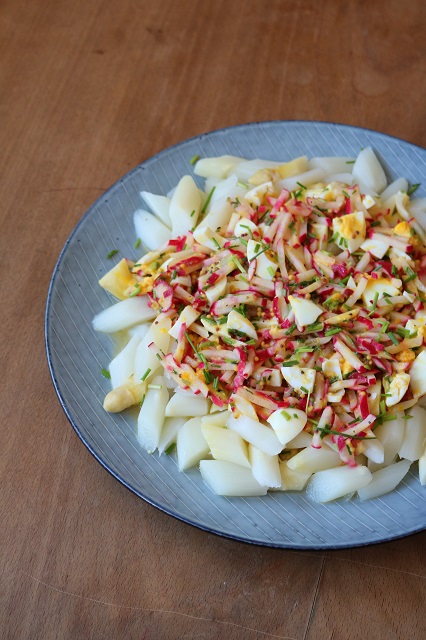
(89,89)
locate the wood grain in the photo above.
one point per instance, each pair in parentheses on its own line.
(88,89)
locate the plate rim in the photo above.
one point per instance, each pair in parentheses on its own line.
(67,411)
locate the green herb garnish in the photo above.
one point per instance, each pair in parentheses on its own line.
(413,188)
(209,197)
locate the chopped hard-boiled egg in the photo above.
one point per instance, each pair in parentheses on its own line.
(350,230)
(331,368)
(300,378)
(118,280)
(305,311)
(216,290)
(402,229)
(335,396)
(376,247)
(237,322)
(396,388)
(263,175)
(187,317)
(255,196)
(266,265)
(320,231)
(245,228)
(377,288)
(400,259)
(368,201)
(416,326)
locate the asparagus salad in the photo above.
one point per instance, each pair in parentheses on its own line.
(276,326)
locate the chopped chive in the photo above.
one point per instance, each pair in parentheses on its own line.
(260,252)
(407,417)
(256,247)
(413,188)
(291,329)
(146,374)
(394,270)
(170,449)
(247,227)
(404,333)
(271,272)
(136,291)
(192,212)
(410,277)
(291,225)
(350,161)
(393,338)
(207,202)
(155,386)
(332,332)
(207,376)
(174,274)
(383,328)
(238,264)
(222,320)
(325,431)
(316,326)
(216,243)
(215,383)
(286,415)
(387,418)
(290,363)
(112,254)
(106,373)
(137,243)
(194,159)
(304,389)
(373,308)
(302,186)
(244,185)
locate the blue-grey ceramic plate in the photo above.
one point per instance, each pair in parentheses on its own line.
(76,354)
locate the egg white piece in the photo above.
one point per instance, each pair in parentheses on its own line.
(299,377)
(396,388)
(305,311)
(238,322)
